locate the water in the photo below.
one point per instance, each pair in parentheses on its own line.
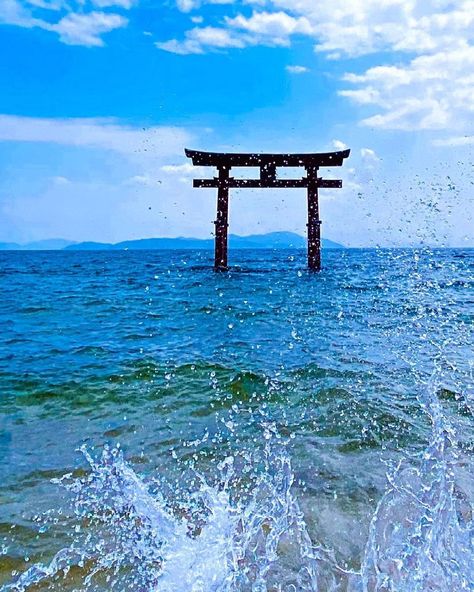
(167,428)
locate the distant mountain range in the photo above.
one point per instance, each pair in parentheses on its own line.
(272,240)
(51,244)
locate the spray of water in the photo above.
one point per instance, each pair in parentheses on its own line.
(254,538)
(222,543)
(422,534)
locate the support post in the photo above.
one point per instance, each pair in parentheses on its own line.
(221,222)
(314,223)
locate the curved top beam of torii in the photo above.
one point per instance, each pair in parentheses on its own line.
(322,159)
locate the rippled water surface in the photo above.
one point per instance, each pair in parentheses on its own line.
(267,429)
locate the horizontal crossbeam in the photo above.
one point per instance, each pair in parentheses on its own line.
(222,159)
(259,184)
(329,183)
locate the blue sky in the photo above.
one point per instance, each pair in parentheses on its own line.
(98,99)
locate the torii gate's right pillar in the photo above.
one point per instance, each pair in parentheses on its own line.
(222,220)
(314,223)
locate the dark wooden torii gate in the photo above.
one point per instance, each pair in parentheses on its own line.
(268,164)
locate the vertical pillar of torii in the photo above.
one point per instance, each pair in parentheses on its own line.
(314,223)
(268,164)
(222,220)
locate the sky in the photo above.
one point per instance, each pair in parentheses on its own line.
(99,98)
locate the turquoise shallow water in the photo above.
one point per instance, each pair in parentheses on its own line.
(312,387)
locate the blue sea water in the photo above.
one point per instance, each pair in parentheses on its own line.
(164,427)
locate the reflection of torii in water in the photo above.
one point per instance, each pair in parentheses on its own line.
(268,164)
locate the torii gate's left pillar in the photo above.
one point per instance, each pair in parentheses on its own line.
(222,220)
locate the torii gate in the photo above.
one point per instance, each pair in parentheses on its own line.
(268,164)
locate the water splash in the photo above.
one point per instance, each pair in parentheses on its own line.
(422,534)
(249,534)
(223,543)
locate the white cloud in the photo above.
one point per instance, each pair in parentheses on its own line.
(181,169)
(363,27)
(297,69)
(12,12)
(106,134)
(201,38)
(125,4)
(434,90)
(86,29)
(215,37)
(370,162)
(73,28)
(47,4)
(142,180)
(360,27)
(338,145)
(431,92)
(272,29)
(426,84)
(189,5)
(186,5)
(273,25)
(186,47)
(58,180)
(455,141)
(369,154)
(185,172)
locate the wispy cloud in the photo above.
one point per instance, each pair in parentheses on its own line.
(262,28)
(106,134)
(74,27)
(125,4)
(199,39)
(297,69)
(455,141)
(189,5)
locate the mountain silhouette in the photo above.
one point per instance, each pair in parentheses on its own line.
(272,240)
(50,244)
